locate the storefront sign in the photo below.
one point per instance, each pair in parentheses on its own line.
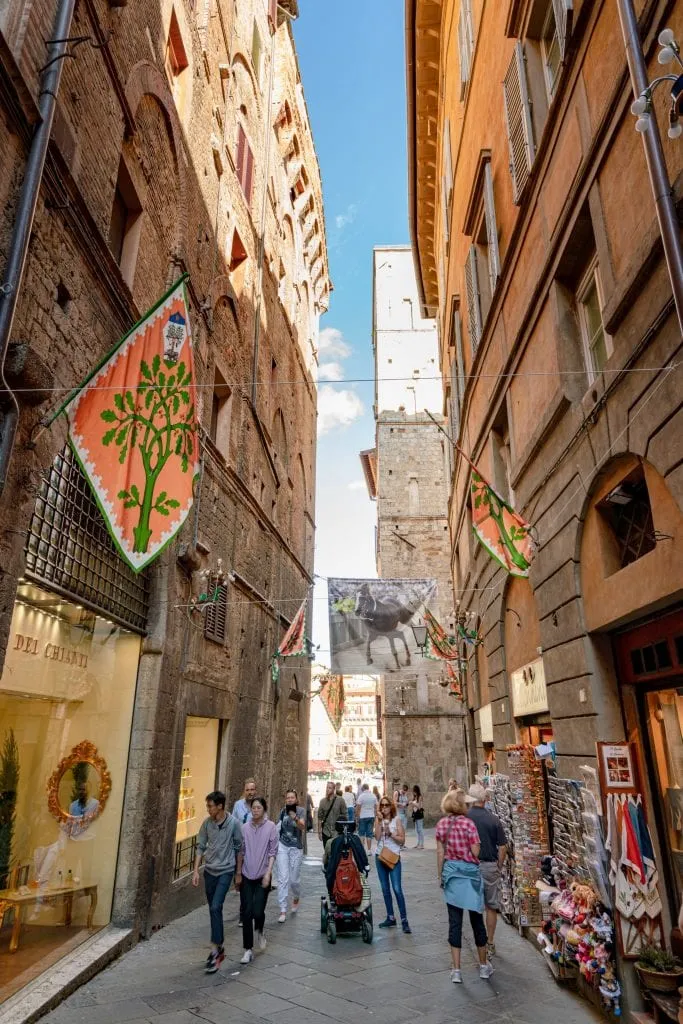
(485,714)
(55,652)
(528,689)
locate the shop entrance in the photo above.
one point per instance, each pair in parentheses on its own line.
(650,657)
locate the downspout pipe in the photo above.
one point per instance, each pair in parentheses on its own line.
(23,225)
(654,156)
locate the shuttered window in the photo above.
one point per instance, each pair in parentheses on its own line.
(244,164)
(457,372)
(473,295)
(216,614)
(519,126)
(465,44)
(272,14)
(492,252)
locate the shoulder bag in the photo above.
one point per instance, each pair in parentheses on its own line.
(388,858)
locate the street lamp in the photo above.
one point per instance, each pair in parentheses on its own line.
(420,634)
(647,126)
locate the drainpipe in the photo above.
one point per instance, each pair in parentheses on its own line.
(654,156)
(26,209)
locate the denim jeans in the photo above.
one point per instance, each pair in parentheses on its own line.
(351,814)
(391,880)
(403,818)
(420,831)
(216,887)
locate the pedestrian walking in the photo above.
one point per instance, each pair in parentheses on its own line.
(359,786)
(366,809)
(330,809)
(242,808)
(457,853)
(390,836)
(219,845)
(290,853)
(376,794)
(402,802)
(310,807)
(418,815)
(491,857)
(350,801)
(260,850)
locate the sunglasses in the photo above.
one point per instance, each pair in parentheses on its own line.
(385,805)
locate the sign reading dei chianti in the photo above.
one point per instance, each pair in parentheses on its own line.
(528,689)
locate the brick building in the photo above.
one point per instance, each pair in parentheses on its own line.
(407,471)
(181,143)
(538,252)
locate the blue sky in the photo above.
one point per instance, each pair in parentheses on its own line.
(351,56)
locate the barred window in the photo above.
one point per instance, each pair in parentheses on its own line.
(70,550)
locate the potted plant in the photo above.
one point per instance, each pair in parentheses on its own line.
(659,970)
(9,784)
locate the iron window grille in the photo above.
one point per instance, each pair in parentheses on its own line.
(185,853)
(70,550)
(216,615)
(628,512)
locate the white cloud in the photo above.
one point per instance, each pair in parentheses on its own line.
(348,217)
(337,408)
(330,371)
(357,485)
(331,343)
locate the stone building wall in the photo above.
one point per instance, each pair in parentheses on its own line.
(176,136)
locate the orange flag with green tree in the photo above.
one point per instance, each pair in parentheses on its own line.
(133,428)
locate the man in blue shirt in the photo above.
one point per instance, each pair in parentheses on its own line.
(242,808)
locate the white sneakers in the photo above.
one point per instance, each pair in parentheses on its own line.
(295,906)
(485,972)
(282,918)
(262,943)
(248,957)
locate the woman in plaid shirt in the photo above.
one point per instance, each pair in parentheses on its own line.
(457,853)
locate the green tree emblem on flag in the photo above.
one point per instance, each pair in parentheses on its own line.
(157,418)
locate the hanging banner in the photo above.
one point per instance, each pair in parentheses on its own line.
(455,685)
(294,642)
(133,428)
(370,623)
(373,755)
(440,646)
(504,534)
(332,697)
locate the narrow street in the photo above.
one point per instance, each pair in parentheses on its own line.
(301,979)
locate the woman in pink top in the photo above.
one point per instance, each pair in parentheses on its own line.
(260,842)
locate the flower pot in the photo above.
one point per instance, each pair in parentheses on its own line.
(660,981)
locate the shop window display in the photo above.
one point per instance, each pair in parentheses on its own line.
(665,715)
(197,778)
(66,702)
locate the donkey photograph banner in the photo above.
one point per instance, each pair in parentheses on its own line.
(370,624)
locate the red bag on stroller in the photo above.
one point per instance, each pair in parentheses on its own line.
(347,890)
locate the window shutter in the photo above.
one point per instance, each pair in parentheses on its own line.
(460,362)
(491,229)
(473,298)
(464,55)
(519,126)
(239,160)
(564,13)
(469,26)
(248,172)
(272,14)
(216,615)
(448,157)
(445,210)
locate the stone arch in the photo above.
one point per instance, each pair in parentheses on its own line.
(221,288)
(612,592)
(240,62)
(279,436)
(521,625)
(145,79)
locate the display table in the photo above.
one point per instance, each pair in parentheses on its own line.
(14,899)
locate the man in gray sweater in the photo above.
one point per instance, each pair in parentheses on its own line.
(220,846)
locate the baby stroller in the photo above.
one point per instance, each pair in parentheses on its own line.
(348,906)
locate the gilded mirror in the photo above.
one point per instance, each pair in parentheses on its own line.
(79,788)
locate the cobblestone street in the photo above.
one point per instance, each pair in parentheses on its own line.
(301,979)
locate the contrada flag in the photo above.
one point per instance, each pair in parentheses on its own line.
(133,428)
(294,640)
(502,532)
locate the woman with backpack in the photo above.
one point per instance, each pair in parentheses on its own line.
(390,835)
(418,810)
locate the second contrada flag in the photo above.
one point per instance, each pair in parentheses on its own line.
(504,534)
(133,428)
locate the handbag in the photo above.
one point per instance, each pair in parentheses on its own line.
(419,814)
(388,858)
